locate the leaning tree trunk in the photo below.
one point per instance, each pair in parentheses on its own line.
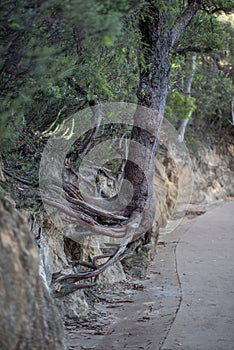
(158,37)
(152,92)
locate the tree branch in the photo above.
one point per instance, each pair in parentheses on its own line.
(184,50)
(185,19)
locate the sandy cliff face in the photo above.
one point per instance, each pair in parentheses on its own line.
(58,250)
(58,253)
(29,319)
(213,173)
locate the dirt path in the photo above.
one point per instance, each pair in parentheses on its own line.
(142,313)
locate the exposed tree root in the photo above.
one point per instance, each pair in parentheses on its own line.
(112,225)
(71,282)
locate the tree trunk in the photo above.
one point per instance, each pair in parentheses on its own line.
(152,92)
(190,70)
(233,110)
(158,38)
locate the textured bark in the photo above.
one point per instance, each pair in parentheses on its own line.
(29,320)
(185,18)
(158,38)
(152,92)
(233,110)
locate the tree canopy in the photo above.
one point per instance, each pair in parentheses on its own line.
(57,56)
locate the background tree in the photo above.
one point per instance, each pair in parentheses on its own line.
(211,91)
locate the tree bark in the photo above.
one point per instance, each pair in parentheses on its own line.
(157,38)
(233,110)
(152,92)
(190,70)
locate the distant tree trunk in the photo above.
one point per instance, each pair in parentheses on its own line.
(233,110)
(190,70)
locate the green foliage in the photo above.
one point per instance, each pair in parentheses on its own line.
(207,33)
(211,37)
(179,106)
(9,129)
(59,55)
(213,92)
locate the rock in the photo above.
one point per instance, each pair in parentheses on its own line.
(58,249)
(56,253)
(29,319)
(166,184)
(213,173)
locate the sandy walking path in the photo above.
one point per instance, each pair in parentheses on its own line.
(187,302)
